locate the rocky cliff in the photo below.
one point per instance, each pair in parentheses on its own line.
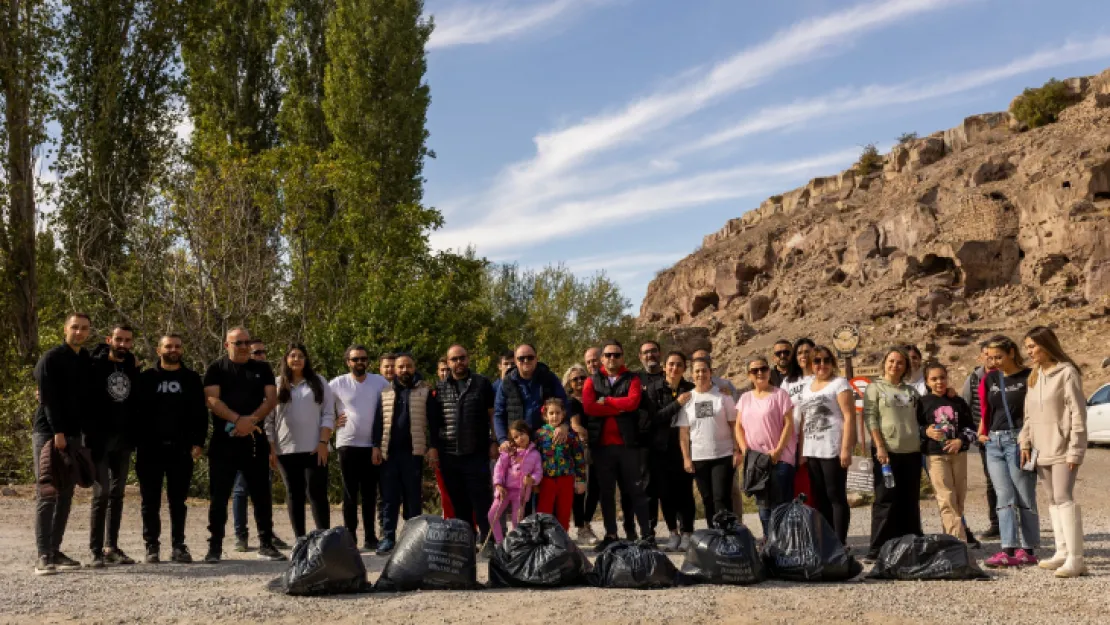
(982,228)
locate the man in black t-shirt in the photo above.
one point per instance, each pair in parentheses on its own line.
(240,393)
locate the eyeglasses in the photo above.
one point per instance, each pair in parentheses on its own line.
(759,370)
(612,354)
(240,343)
(354,359)
(525,358)
(262,352)
(822,361)
(457,359)
(782,353)
(579,378)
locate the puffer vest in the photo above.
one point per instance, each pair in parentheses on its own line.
(466,428)
(418,417)
(514,400)
(633,427)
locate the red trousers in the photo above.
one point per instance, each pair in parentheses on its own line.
(445,501)
(557,497)
(802,485)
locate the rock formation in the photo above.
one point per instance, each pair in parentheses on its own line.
(979,229)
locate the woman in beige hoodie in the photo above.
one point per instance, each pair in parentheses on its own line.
(1056,428)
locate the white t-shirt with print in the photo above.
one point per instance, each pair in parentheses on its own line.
(710,417)
(794,390)
(824,420)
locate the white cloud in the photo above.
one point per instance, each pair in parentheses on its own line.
(877,96)
(465,24)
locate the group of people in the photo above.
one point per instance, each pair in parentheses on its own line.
(532,441)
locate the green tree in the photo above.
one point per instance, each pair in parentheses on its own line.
(1041,106)
(869,160)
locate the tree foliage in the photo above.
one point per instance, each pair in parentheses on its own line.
(1041,106)
(869,160)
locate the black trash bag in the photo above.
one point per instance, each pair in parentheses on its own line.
(802,546)
(326,562)
(626,564)
(538,554)
(724,554)
(432,553)
(930,557)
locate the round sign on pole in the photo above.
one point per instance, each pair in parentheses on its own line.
(846,340)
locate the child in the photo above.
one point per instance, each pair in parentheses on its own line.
(564,465)
(514,476)
(946,433)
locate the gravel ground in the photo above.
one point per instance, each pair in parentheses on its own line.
(234,590)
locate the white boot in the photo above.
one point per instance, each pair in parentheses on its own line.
(1072,521)
(1061,556)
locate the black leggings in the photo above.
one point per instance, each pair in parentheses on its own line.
(715,484)
(896,511)
(829,484)
(585,505)
(303,475)
(672,490)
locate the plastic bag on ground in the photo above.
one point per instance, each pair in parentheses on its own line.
(930,557)
(724,554)
(326,562)
(802,547)
(538,554)
(626,564)
(432,553)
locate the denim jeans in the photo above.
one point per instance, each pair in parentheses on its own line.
(1017,492)
(781,491)
(239,497)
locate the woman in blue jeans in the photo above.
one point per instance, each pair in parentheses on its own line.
(1003,390)
(765,424)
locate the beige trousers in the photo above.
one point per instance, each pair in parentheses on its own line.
(948,473)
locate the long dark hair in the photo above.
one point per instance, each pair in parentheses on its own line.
(285,391)
(794,370)
(1046,339)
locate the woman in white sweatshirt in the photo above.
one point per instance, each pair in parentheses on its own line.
(1055,431)
(300,429)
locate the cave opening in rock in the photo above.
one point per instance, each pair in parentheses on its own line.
(932,264)
(703,301)
(1102,195)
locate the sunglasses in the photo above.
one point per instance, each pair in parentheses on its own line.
(525,358)
(758,370)
(457,359)
(822,361)
(580,378)
(354,359)
(783,352)
(258,352)
(612,354)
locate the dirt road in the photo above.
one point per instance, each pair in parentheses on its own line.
(234,590)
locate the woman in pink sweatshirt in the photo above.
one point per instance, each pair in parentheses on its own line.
(517,472)
(1055,435)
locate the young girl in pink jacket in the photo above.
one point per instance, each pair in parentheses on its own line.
(516,473)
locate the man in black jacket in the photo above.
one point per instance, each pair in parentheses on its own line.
(110,439)
(62,377)
(465,440)
(171,424)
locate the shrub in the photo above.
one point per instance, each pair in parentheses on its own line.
(907,137)
(869,160)
(1040,107)
(776,199)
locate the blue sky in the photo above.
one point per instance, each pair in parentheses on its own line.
(614,134)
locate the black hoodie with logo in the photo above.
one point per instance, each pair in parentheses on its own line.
(112,401)
(172,409)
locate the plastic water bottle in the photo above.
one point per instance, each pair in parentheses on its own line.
(888,476)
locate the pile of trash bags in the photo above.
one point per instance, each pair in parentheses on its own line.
(636,565)
(929,557)
(538,554)
(724,554)
(432,553)
(802,547)
(326,562)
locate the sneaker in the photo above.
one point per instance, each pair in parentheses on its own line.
(631,535)
(871,556)
(151,555)
(279,543)
(586,536)
(45,566)
(96,560)
(116,555)
(1024,558)
(269,552)
(370,544)
(181,555)
(973,543)
(1000,560)
(671,546)
(212,557)
(241,544)
(604,543)
(385,547)
(65,563)
(684,544)
(992,533)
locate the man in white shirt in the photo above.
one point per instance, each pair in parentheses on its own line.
(358,404)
